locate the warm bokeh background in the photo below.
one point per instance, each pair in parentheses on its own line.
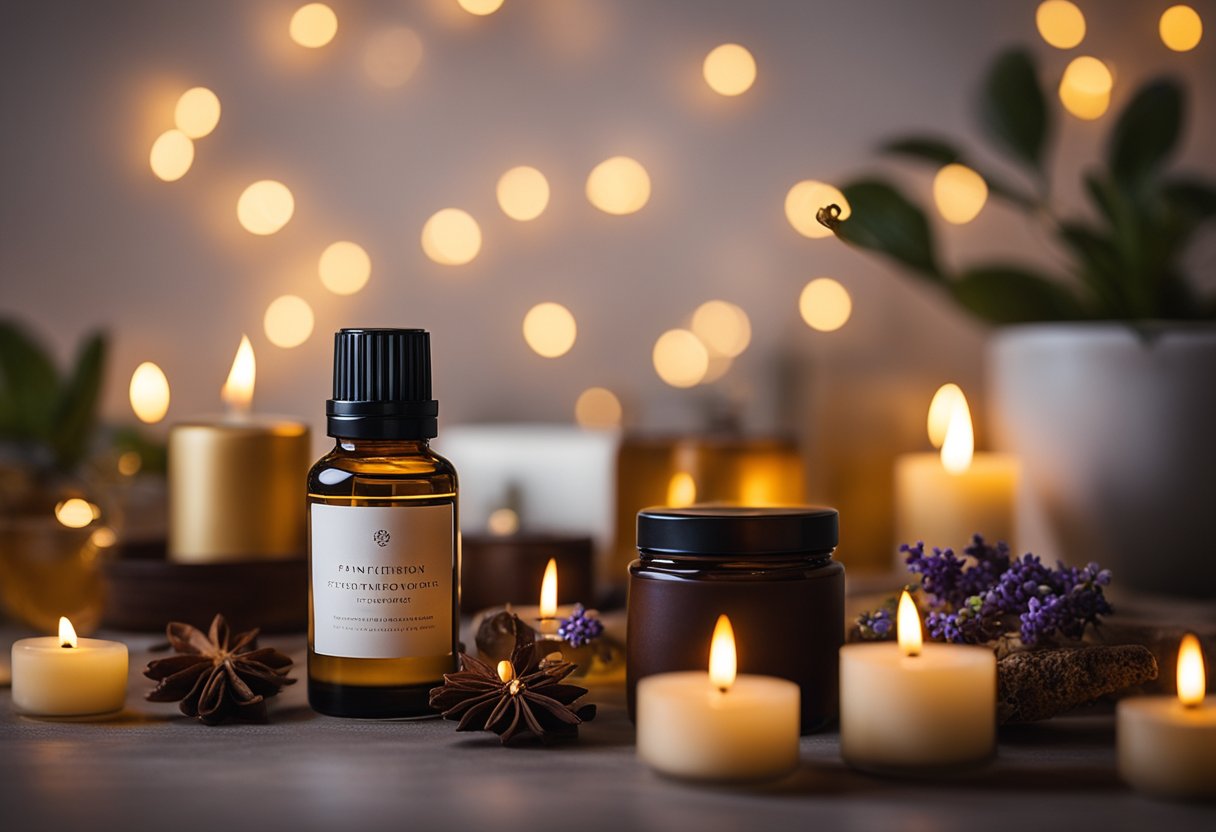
(90,238)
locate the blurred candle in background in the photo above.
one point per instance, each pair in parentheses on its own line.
(945,498)
(235,482)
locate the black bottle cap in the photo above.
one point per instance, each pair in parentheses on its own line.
(382,385)
(734,530)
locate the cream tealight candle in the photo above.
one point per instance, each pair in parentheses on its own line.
(69,677)
(720,725)
(945,498)
(914,706)
(1167,744)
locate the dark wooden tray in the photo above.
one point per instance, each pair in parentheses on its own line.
(145,591)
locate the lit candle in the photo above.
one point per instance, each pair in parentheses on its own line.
(235,482)
(1167,744)
(545,619)
(913,706)
(720,725)
(68,676)
(944,498)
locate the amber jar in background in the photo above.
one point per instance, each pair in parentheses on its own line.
(769,569)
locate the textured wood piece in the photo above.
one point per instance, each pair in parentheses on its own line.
(1039,684)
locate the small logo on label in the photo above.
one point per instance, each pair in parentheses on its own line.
(381,537)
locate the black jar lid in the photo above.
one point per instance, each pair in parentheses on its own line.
(738,530)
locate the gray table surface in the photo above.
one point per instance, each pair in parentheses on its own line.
(152,769)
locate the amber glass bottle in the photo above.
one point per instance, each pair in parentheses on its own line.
(384,574)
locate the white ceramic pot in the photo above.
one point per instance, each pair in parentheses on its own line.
(1116,430)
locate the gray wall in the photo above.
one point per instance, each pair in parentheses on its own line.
(88,237)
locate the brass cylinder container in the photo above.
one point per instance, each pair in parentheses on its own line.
(237,490)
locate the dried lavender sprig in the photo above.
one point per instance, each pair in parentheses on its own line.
(987,595)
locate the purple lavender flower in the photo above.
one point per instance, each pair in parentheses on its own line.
(987,594)
(580,628)
(877,626)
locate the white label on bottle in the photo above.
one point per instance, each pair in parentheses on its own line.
(382,580)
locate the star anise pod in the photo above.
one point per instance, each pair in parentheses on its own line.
(216,677)
(527,700)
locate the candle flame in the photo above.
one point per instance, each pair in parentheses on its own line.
(940,410)
(548,591)
(723,663)
(237,391)
(907,626)
(682,490)
(67,633)
(959,445)
(1192,681)
(506,671)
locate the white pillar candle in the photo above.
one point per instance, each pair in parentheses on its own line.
(1167,744)
(87,678)
(718,725)
(915,706)
(945,498)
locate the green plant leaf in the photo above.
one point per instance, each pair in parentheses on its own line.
(1193,198)
(925,148)
(29,386)
(1006,294)
(1147,131)
(1099,265)
(939,152)
(884,220)
(76,414)
(1013,110)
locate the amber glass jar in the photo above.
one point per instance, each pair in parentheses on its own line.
(769,569)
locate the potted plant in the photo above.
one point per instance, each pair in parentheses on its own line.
(1104,373)
(48,513)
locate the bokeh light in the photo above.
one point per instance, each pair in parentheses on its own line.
(960,193)
(172,155)
(503,522)
(480,7)
(523,193)
(825,304)
(76,513)
(313,25)
(803,202)
(723,327)
(451,237)
(1085,88)
(344,267)
(149,393)
(392,55)
(103,537)
(265,207)
(288,321)
(729,69)
(549,329)
(1181,28)
(129,463)
(619,185)
(598,407)
(680,358)
(1060,23)
(197,112)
